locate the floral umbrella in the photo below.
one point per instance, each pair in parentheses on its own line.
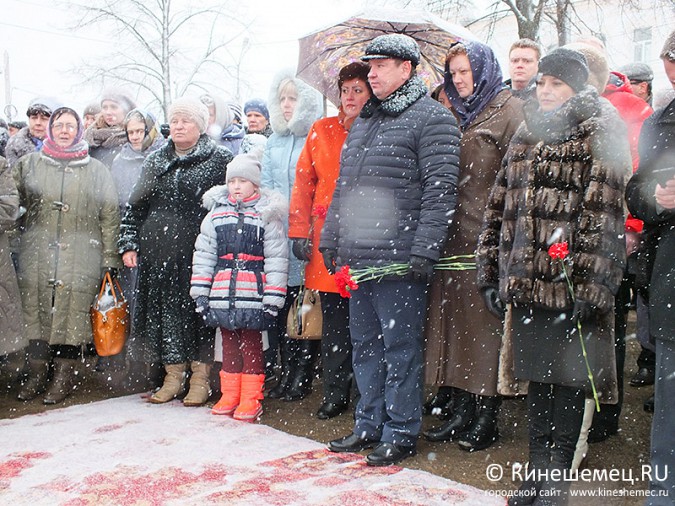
(323,53)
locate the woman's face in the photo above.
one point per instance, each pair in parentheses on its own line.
(552,93)
(288,99)
(444,100)
(184,131)
(64,130)
(136,133)
(113,115)
(353,96)
(462,76)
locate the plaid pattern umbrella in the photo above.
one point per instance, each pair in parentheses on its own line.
(323,53)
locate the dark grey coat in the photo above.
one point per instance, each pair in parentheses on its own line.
(398,181)
(161,223)
(657,151)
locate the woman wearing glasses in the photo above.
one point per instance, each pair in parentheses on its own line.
(70,231)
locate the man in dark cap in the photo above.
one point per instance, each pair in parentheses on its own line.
(640,76)
(29,139)
(392,204)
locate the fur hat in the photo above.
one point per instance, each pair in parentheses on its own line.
(43,105)
(257,105)
(567,65)
(598,67)
(193,108)
(246,166)
(637,71)
(120,98)
(393,45)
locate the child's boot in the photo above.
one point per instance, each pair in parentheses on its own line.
(230,386)
(249,408)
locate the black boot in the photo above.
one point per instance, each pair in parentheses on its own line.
(303,374)
(464,412)
(484,430)
(288,351)
(440,404)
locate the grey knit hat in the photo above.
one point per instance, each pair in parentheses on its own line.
(637,71)
(193,108)
(567,65)
(393,45)
(246,166)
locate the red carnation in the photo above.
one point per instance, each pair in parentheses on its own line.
(320,211)
(344,282)
(558,250)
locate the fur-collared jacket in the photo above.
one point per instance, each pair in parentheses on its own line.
(398,181)
(19,145)
(241,258)
(284,146)
(562,180)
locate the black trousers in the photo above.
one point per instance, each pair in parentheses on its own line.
(336,348)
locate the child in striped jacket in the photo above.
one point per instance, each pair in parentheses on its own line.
(239,275)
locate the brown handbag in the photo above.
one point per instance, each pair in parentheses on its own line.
(109,318)
(305,322)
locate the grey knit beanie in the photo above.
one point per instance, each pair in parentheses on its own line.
(246,166)
(193,108)
(120,98)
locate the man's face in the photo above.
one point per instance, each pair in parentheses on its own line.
(37,124)
(387,75)
(256,122)
(523,65)
(641,89)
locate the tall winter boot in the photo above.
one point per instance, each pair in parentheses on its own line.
(288,350)
(200,387)
(463,415)
(174,383)
(63,381)
(440,405)
(250,408)
(37,380)
(484,430)
(301,382)
(230,386)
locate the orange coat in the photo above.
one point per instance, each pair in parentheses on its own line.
(316,175)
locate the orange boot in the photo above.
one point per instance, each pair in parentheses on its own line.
(230,386)
(251,394)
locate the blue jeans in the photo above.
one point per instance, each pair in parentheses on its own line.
(386,321)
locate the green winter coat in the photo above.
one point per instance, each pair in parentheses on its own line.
(11,328)
(70,231)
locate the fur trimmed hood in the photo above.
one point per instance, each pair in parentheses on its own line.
(272,204)
(307,111)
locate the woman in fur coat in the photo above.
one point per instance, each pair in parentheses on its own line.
(562,182)
(293,107)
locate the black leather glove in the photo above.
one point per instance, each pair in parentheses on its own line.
(111,270)
(302,249)
(582,311)
(421,268)
(202,305)
(492,301)
(329,260)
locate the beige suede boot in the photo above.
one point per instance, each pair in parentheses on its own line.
(200,388)
(174,384)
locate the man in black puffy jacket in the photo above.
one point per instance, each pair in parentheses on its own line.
(393,203)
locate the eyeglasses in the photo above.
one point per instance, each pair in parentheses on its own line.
(64,126)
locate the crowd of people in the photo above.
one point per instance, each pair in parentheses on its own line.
(215,225)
